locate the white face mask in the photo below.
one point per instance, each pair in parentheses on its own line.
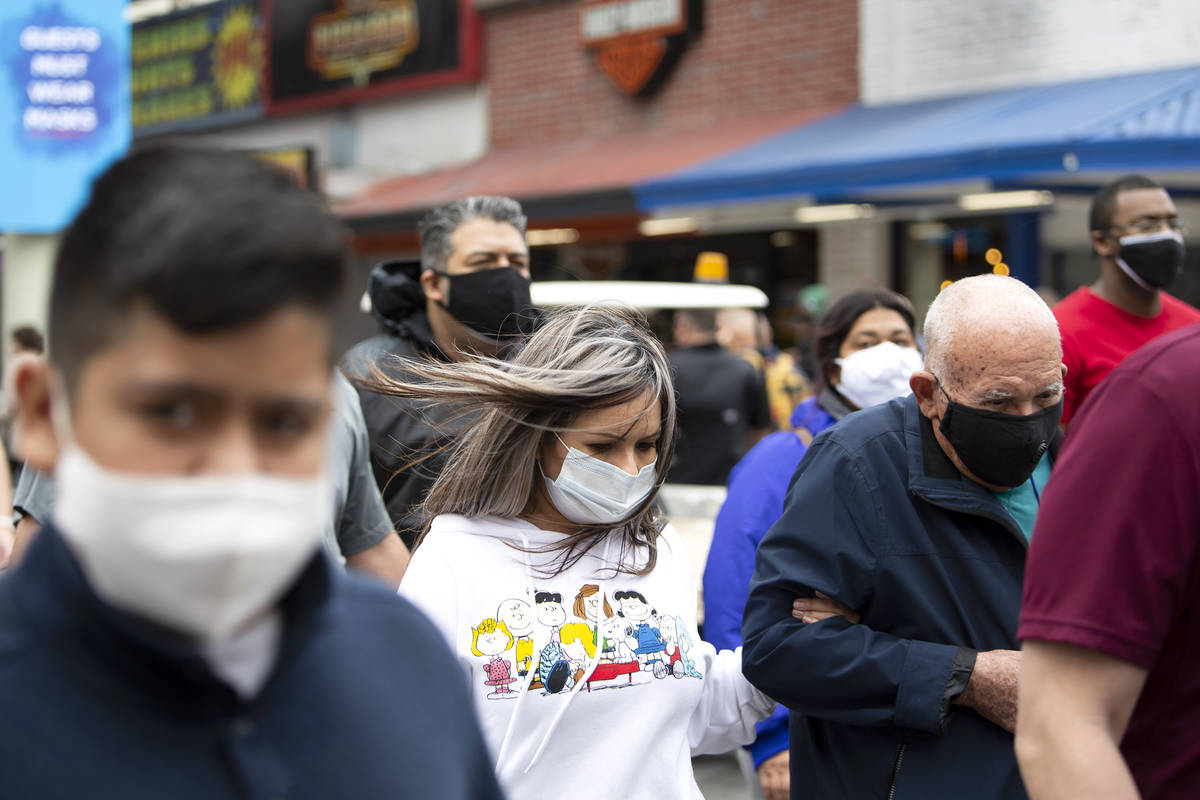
(593,492)
(877,374)
(202,555)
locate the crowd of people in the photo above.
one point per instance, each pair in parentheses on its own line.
(251,563)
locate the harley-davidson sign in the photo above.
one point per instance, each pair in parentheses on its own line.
(637,42)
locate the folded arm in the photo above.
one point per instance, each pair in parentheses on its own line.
(834,669)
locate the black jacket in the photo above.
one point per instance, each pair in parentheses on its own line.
(880,519)
(406,438)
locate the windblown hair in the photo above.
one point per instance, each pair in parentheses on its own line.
(599,356)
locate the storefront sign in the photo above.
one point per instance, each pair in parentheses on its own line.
(332,52)
(198,68)
(637,42)
(299,162)
(64,72)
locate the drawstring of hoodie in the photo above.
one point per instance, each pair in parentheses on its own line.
(530,674)
(587,675)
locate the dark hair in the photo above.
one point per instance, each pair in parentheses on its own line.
(1104,204)
(439,224)
(630,594)
(547,597)
(208,239)
(28,337)
(837,322)
(703,320)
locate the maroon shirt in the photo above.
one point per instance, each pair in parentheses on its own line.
(1114,565)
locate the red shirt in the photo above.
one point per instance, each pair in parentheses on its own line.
(1114,565)
(1096,336)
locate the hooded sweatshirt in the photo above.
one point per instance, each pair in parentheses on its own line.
(405,436)
(590,682)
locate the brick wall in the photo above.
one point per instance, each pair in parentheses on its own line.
(753,56)
(924,48)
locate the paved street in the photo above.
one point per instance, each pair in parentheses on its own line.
(719,777)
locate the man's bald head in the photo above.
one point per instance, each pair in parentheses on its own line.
(984,320)
(991,344)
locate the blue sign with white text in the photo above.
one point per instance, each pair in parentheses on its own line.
(64,106)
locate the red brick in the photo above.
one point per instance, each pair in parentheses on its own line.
(543,85)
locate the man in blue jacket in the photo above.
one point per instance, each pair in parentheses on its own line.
(175,631)
(917,513)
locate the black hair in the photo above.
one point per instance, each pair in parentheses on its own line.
(29,338)
(547,597)
(703,320)
(837,322)
(631,595)
(1104,204)
(210,240)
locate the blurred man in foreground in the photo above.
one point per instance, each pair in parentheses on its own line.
(174,631)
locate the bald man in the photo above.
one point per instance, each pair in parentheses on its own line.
(916,513)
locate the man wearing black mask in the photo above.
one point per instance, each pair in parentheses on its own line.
(917,513)
(1137,235)
(468,294)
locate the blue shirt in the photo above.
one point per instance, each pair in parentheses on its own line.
(757,487)
(1021,502)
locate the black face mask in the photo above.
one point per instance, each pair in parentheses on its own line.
(1000,449)
(493,302)
(1152,260)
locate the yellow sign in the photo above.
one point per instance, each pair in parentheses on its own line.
(202,67)
(374,36)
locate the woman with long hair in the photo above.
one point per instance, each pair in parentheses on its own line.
(549,497)
(865,351)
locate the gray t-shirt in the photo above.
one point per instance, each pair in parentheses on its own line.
(359,519)
(34,496)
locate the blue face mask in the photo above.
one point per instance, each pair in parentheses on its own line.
(593,492)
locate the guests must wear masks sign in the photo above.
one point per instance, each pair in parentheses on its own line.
(64,95)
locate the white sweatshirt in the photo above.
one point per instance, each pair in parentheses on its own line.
(609,703)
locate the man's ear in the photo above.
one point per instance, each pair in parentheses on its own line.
(431,283)
(33,428)
(924,386)
(1103,245)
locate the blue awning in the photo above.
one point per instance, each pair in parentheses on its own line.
(1146,121)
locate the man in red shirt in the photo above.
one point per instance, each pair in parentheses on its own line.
(1136,233)
(1110,690)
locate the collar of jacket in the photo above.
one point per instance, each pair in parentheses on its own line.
(933,476)
(58,604)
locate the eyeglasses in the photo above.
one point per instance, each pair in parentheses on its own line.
(1151,225)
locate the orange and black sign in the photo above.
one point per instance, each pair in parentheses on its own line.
(334,52)
(638,42)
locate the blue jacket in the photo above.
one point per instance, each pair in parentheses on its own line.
(365,700)
(757,486)
(878,518)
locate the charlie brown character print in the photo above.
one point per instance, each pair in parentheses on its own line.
(555,670)
(518,617)
(643,634)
